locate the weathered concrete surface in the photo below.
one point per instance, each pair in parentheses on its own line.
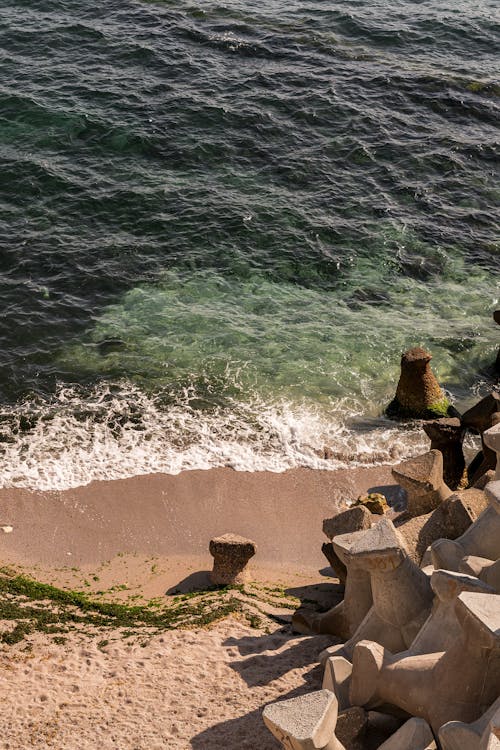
(337,678)
(486,570)
(442,628)
(480,418)
(402,595)
(353,519)
(449,520)
(482,539)
(415,734)
(231,554)
(455,735)
(422,478)
(485,479)
(458,684)
(351,728)
(491,438)
(306,722)
(447,436)
(342,620)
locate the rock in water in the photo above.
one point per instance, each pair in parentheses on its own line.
(106,346)
(496,318)
(418,395)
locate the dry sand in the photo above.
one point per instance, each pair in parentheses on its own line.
(201,689)
(198,689)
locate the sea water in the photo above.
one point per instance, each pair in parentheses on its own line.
(221,225)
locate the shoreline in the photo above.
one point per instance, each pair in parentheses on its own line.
(119,526)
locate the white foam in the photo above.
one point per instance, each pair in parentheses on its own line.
(119,431)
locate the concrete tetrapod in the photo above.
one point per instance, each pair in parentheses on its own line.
(415,734)
(442,628)
(353,519)
(496,318)
(491,438)
(337,677)
(402,595)
(447,436)
(422,478)
(486,570)
(449,520)
(343,619)
(351,728)
(455,735)
(491,737)
(480,418)
(482,539)
(485,479)
(305,723)
(457,684)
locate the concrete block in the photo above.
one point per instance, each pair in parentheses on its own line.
(479,735)
(457,684)
(306,722)
(482,539)
(415,734)
(231,554)
(422,478)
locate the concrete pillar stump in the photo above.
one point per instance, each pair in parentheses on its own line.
(231,554)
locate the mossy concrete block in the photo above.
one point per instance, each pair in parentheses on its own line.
(418,394)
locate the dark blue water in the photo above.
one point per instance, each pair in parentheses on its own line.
(261,206)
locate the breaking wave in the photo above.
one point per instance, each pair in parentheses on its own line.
(119,431)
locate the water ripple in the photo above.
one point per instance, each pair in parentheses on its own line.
(345,152)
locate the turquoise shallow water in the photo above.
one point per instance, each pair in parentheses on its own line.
(263,206)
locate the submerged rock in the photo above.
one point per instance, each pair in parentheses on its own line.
(106,346)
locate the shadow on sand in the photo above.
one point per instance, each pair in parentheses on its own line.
(249,731)
(199,582)
(264,661)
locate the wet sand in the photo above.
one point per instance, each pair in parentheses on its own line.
(174,517)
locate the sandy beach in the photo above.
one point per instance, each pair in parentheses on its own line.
(249,252)
(174,517)
(199,688)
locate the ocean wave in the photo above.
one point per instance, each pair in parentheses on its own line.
(116,431)
(297,191)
